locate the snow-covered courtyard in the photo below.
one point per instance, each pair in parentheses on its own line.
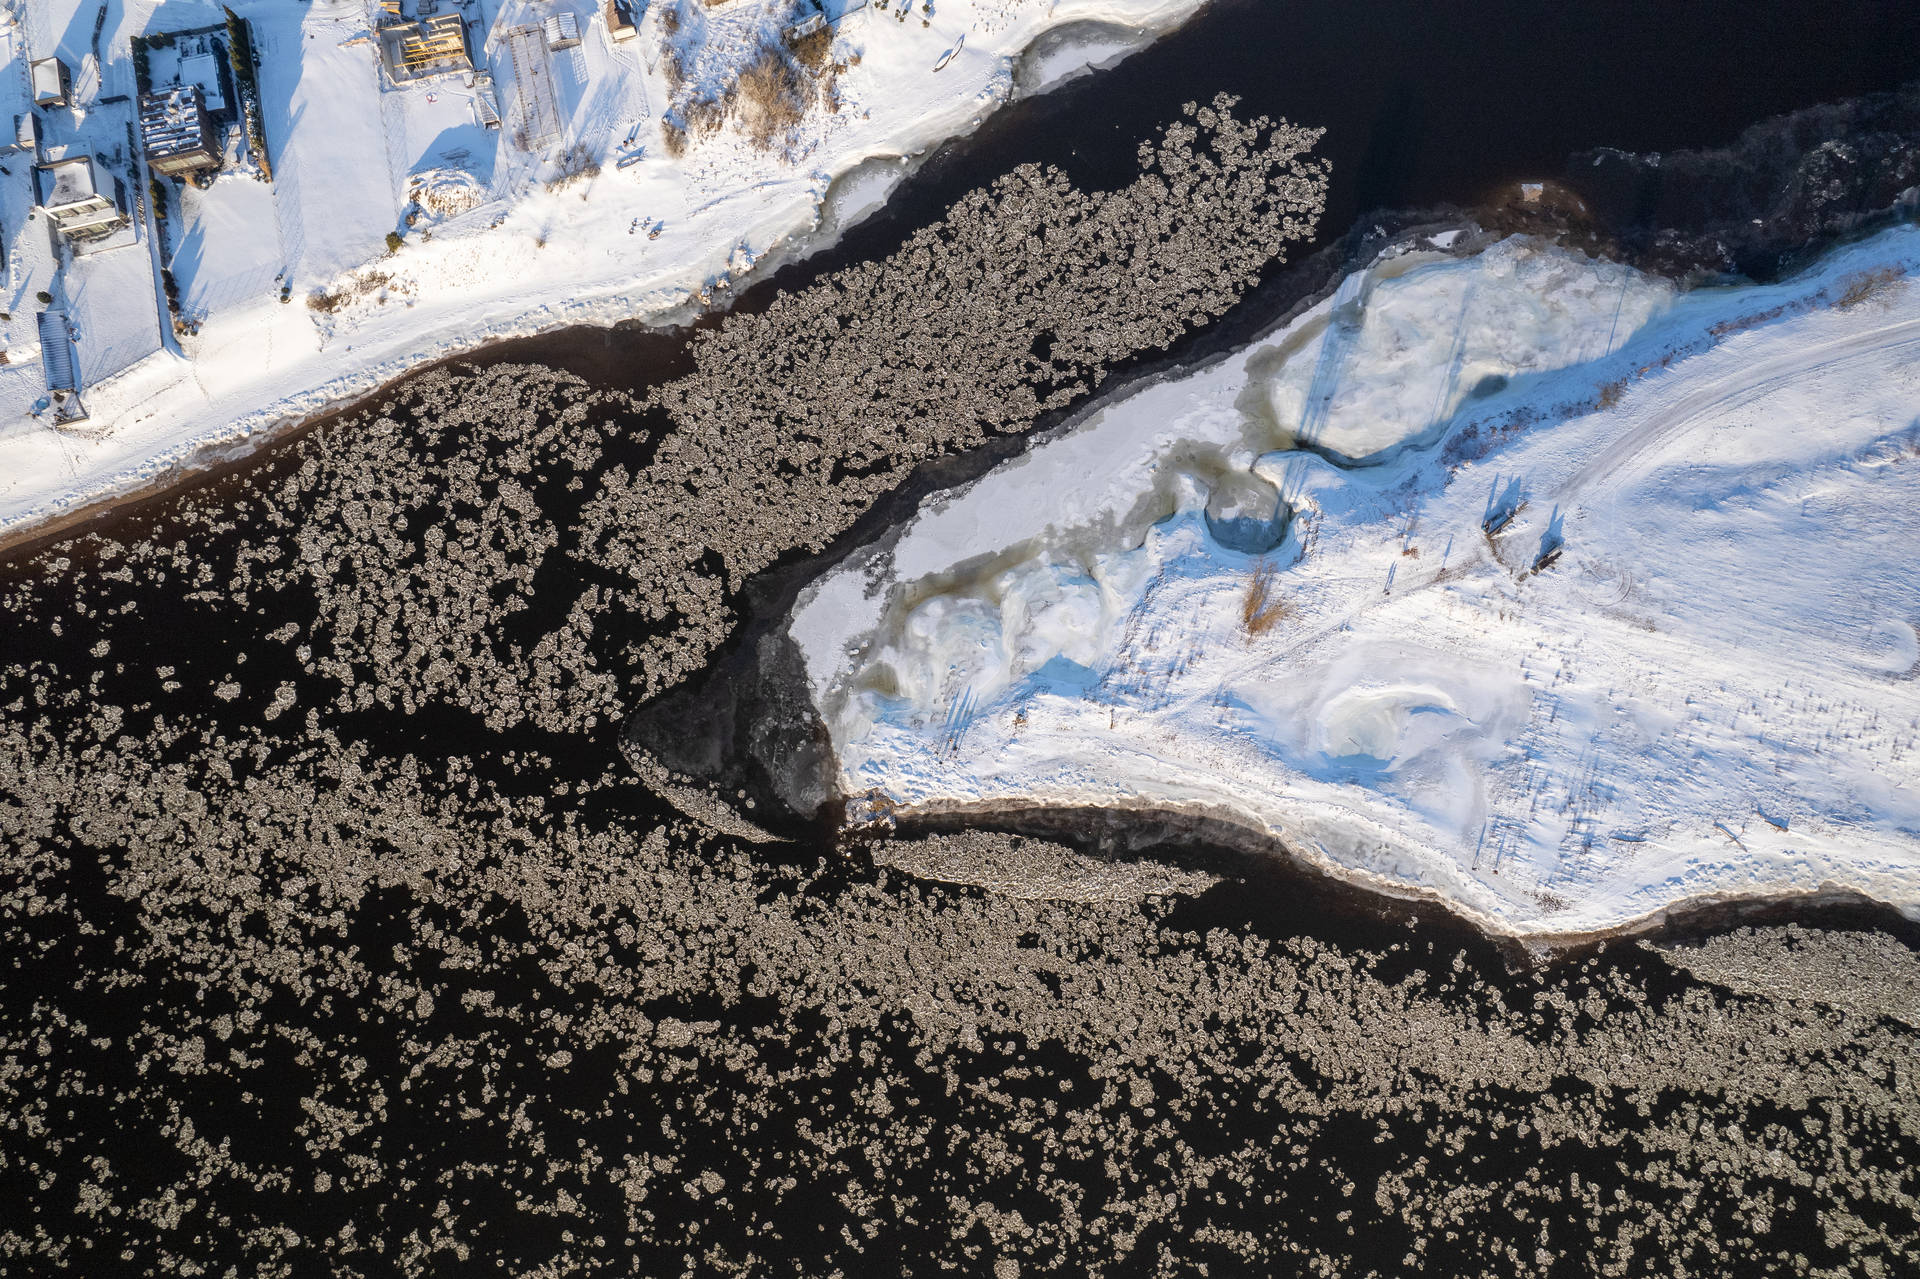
(1514,578)
(558,175)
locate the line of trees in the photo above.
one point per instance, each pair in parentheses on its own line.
(241,57)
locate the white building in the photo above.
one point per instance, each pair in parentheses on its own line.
(70,197)
(51,82)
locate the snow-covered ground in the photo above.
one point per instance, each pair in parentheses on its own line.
(1596,597)
(497,241)
(102,295)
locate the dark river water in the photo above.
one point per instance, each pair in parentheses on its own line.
(1425,106)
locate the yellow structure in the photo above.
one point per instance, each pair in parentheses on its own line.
(436,40)
(417,50)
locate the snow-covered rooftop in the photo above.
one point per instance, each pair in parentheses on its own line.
(173,125)
(67,182)
(49,79)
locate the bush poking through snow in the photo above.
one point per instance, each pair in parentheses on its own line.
(434,195)
(810,50)
(773,93)
(1261,609)
(1865,284)
(577,164)
(673,136)
(351,289)
(766,98)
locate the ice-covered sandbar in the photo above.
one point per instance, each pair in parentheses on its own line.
(1517,579)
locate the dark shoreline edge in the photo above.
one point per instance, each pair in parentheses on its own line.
(1269,890)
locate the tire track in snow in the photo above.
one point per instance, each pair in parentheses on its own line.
(1740,386)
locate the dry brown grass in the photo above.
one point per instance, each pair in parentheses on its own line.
(673,137)
(767,100)
(577,165)
(1261,610)
(1611,392)
(773,95)
(1865,284)
(810,51)
(327,301)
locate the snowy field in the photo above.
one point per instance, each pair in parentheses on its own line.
(1517,579)
(576,210)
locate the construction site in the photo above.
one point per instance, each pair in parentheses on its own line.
(421,50)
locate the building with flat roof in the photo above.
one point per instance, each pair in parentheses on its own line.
(51,82)
(71,198)
(176,132)
(414,51)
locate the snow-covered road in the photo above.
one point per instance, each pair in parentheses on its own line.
(1742,385)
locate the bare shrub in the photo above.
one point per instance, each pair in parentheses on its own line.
(576,165)
(767,98)
(1261,609)
(1864,284)
(327,301)
(707,115)
(673,136)
(774,93)
(810,50)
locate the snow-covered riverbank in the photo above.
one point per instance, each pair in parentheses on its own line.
(502,241)
(1517,579)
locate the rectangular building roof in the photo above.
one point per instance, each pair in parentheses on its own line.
(620,23)
(203,71)
(563,31)
(69,181)
(48,79)
(173,122)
